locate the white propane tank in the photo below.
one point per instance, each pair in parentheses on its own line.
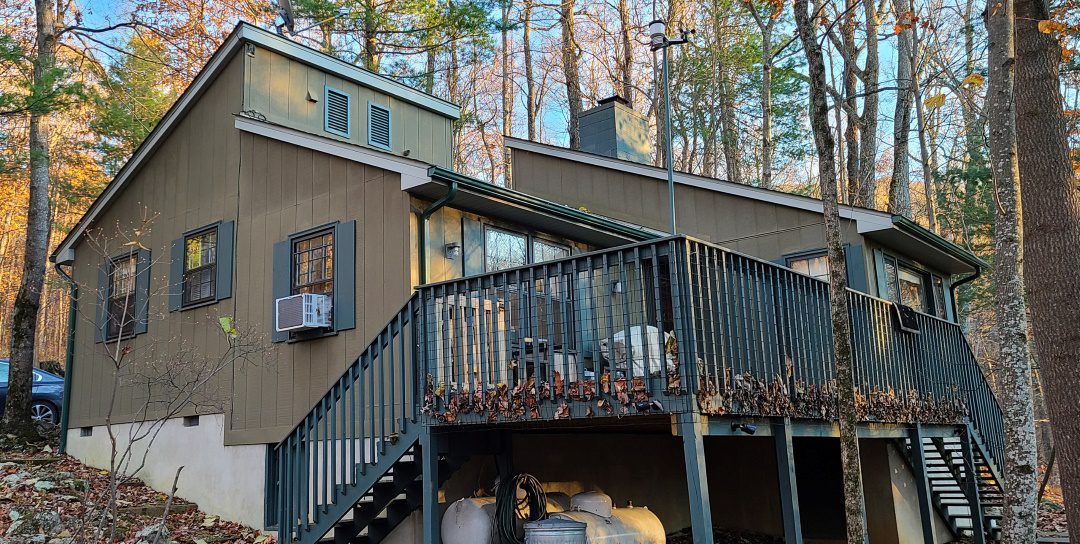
(630,525)
(468,521)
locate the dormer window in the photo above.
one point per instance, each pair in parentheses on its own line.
(336,112)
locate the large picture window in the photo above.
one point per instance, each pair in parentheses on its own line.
(504,249)
(200,267)
(121,297)
(313,264)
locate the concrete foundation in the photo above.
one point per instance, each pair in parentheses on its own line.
(226,481)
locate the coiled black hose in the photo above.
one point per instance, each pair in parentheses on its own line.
(508,508)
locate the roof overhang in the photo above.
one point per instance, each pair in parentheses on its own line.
(243,33)
(926,247)
(491,200)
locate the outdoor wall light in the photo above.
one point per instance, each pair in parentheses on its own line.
(744,427)
(452,250)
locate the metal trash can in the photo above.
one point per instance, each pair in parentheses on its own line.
(555,531)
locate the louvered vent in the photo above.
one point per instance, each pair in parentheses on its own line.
(378,126)
(337,112)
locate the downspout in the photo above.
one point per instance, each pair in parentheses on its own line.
(70,356)
(952,291)
(427,212)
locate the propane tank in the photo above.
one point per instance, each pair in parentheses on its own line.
(630,525)
(468,521)
(555,531)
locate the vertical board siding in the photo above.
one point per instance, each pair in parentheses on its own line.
(278,88)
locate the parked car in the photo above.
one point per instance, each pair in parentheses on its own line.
(47,394)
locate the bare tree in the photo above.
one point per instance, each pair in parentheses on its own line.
(864,196)
(24,321)
(507,92)
(1014,367)
(854,505)
(570,72)
(900,185)
(1051,202)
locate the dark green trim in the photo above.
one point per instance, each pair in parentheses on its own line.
(556,210)
(69,357)
(427,212)
(789,488)
(914,229)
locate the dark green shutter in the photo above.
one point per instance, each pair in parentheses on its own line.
(472,246)
(281,286)
(225,244)
(142,290)
(856,268)
(345,276)
(176,275)
(102,303)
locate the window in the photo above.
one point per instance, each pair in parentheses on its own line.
(121,297)
(200,267)
(313,264)
(912,289)
(544,250)
(504,249)
(939,297)
(815,266)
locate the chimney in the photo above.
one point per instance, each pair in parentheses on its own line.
(615,130)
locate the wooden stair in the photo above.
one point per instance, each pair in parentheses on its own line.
(950,488)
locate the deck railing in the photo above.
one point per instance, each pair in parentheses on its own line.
(675,325)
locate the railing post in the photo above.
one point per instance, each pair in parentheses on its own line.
(922,484)
(429,450)
(978,523)
(789,489)
(697,481)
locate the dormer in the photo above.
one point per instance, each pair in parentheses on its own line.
(289,84)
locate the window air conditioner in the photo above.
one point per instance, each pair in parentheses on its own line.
(302,312)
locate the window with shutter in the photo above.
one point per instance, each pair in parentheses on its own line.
(336,112)
(378,126)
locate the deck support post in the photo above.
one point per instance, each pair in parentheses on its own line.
(978,522)
(697,480)
(789,489)
(429,450)
(922,483)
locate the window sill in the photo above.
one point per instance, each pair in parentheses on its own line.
(200,304)
(310,335)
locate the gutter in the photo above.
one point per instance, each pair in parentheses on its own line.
(955,284)
(558,210)
(427,212)
(914,229)
(69,356)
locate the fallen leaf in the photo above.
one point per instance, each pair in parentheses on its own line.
(973,79)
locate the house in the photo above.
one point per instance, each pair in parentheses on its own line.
(420,333)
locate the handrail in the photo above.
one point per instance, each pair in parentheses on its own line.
(367,410)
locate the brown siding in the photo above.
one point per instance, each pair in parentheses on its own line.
(189,182)
(762,229)
(278,88)
(207,171)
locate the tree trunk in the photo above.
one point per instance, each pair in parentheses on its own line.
(571,73)
(850,85)
(923,131)
(1011,327)
(507,92)
(729,130)
(974,123)
(868,136)
(625,85)
(900,185)
(766,103)
(24,319)
(1051,202)
(370,54)
(530,83)
(854,507)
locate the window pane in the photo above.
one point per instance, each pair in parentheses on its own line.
(815,267)
(313,264)
(939,297)
(200,267)
(548,251)
(121,316)
(892,290)
(504,249)
(912,291)
(200,250)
